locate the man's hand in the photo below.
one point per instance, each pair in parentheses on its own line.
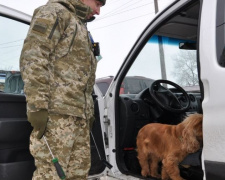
(38,121)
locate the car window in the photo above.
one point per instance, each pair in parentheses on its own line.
(12,36)
(168,58)
(132,86)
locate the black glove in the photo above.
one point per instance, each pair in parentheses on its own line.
(38,121)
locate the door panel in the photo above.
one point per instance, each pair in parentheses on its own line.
(16,162)
(15,158)
(97,146)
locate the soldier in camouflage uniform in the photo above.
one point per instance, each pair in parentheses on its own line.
(58,68)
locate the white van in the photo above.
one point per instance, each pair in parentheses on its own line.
(182,49)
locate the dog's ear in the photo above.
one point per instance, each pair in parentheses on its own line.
(189,140)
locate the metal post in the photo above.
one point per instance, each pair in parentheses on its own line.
(156,6)
(161,51)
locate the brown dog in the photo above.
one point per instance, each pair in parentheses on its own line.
(169,144)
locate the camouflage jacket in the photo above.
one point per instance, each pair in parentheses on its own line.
(57,62)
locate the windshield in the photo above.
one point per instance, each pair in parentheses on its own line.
(170,59)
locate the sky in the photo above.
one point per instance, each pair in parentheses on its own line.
(117,28)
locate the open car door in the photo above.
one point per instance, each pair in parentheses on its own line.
(183,46)
(15,158)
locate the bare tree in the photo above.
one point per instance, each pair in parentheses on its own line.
(185,68)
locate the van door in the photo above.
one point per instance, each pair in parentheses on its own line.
(212,74)
(15,158)
(168,49)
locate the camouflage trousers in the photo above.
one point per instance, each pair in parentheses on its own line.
(69,140)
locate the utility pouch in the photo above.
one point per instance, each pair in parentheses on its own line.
(96,48)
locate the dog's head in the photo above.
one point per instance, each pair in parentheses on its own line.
(192,133)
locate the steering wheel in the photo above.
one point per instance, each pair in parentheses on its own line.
(165,98)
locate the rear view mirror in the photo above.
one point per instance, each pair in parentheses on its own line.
(187,45)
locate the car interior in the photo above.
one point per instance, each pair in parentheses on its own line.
(175,93)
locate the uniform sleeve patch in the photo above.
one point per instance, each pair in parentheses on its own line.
(40,27)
